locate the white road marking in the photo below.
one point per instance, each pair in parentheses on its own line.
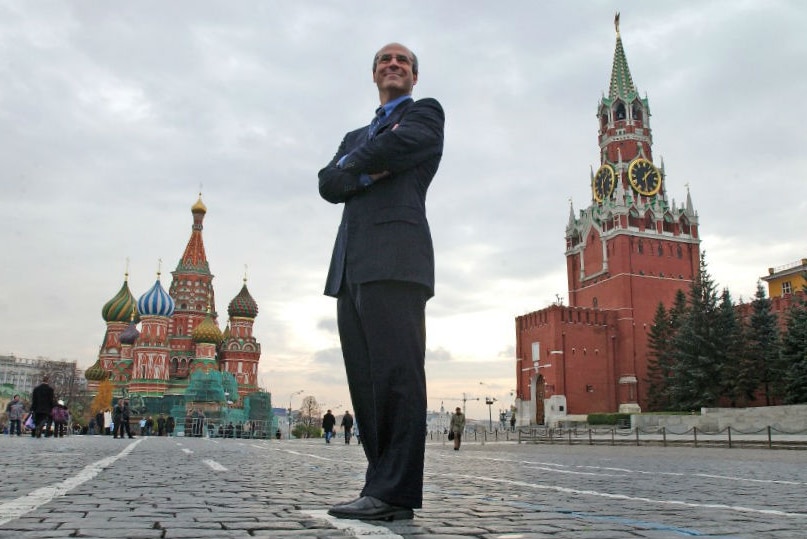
(654,473)
(306,455)
(39,497)
(356,528)
(215,466)
(187,451)
(565,490)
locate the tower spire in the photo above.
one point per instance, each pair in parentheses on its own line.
(621,81)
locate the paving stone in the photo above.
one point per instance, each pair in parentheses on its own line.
(498,490)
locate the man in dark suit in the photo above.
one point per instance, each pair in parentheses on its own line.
(382,274)
(42,402)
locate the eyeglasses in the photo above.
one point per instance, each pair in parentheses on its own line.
(387,58)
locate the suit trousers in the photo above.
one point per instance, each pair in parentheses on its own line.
(382,327)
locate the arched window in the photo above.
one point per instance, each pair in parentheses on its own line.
(620,113)
(633,218)
(684,224)
(648,222)
(669,225)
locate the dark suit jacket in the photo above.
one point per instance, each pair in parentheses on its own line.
(384,234)
(42,399)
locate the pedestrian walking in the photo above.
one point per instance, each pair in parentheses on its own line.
(382,275)
(328,423)
(456,428)
(347,425)
(169,425)
(120,417)
(42,401)
(16,412)
(161,425)
(61,417)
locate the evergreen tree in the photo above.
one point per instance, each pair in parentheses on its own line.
(731,352)
(678,310)
(696,370)
(794,353)
(764,347)
(658,365)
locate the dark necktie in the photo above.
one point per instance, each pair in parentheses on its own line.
(380,112)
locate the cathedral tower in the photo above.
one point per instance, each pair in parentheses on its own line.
(628,250)
(192,290)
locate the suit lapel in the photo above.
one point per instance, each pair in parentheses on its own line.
(394,118)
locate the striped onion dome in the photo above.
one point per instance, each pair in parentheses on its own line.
(243,305)
(96,373)
(130,334)
(156,302)
(207,331)
(119,308)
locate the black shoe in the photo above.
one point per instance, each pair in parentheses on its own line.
(369,508)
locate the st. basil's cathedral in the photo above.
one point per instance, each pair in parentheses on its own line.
(630,249)
(179,360)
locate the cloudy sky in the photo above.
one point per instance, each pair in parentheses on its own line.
(113,116)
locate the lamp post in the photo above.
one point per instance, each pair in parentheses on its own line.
(290,397)
(489,401)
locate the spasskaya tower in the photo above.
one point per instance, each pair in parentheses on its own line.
(629,249)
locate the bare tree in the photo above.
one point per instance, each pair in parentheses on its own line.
(62,377)
(310,412)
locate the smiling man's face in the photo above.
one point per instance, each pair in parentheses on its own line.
(394,72)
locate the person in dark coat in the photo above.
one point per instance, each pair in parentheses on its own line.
(99,422)
(120,417)
(382,274)
(347,425)
(169,425)
(328,423)
(42,402)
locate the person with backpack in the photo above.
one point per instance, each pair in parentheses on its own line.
(60,416)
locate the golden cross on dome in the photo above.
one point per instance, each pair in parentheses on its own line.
(616,22)
(245,274)
(126,273)
(159,267)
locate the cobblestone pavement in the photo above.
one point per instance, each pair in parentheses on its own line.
(93,486)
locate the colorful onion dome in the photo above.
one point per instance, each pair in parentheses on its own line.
(156,302)
(243,305)
(119,308)
(96,373)
(207,332)
(130,334)
(199,207)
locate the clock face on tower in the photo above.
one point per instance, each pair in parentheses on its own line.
(604,182)
(644,177)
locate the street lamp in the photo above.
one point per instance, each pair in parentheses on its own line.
(489,401)
(290,397)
